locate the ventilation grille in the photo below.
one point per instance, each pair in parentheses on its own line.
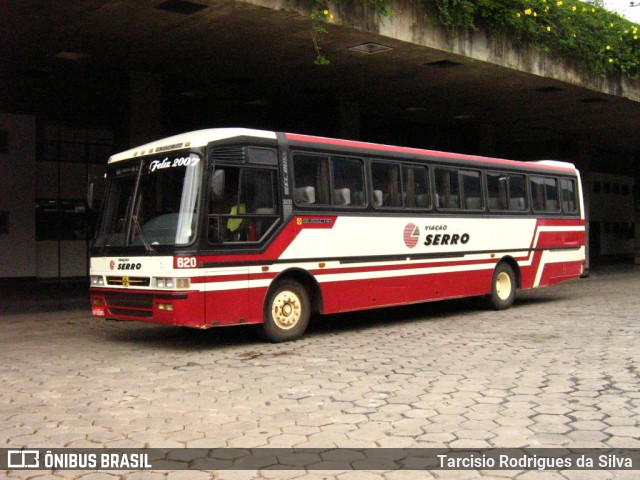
(124,312)
(129,281)
(132,306)
(130,301)
(228,154)
(443,64)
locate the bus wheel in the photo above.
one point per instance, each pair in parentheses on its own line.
(503,287)
(286,313)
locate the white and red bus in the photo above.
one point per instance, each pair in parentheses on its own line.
(235,226)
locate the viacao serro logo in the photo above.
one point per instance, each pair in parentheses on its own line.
(124,264)
(411,235)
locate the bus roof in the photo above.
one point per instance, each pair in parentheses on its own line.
(198,138)
(201,138)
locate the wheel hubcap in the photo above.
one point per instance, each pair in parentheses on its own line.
(286,310)
(503,286)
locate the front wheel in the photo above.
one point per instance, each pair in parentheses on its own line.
(503,287)
(286,312)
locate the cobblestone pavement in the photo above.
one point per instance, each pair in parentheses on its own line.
(560,369)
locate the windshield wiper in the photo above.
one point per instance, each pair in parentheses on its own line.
(138,228)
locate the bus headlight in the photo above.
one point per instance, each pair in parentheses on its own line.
(97,280)
(168,282)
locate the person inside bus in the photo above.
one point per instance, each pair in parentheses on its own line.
(235,223)
(247,206)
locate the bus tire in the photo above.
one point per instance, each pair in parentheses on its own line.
(286,312)
(503,287)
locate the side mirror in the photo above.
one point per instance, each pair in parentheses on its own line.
(217,185)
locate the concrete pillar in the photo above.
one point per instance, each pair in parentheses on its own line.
(146,108)
(17,201)
(349,120)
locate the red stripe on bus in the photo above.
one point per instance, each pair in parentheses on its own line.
(386,268)
(234,277)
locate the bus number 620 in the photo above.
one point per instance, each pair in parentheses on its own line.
(186,262)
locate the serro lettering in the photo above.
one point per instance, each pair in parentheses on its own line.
(446,239)
(129,266)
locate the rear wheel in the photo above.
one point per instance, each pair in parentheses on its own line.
(286,312)
(503,287)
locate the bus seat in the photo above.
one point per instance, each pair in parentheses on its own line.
(516,203)
(473,203)
(342,196)
(552,206)
(494,203)
(377,198)
(358,198)
(422,200)
(304,195)
(453,202)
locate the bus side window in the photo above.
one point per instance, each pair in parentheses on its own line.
(517,193)
(258,190)
(544,194)
(472,189)
(246,209)
(415,185)
(348,182)
(311,179)
(551,195)
(385,178)
(497,191)
(537,193)
(568,193)
(447,188)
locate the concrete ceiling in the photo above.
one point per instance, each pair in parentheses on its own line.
(234,53)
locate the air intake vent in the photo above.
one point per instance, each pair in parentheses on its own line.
(129,281)
(182,7)
(549,89)
(443,64)
(233,154)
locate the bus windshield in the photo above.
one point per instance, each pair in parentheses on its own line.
(152,202)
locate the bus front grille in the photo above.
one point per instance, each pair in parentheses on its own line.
(130,305)
(125,312)
(129,281)
(130,301)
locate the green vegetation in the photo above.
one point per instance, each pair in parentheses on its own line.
(579,30)
(585,31)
